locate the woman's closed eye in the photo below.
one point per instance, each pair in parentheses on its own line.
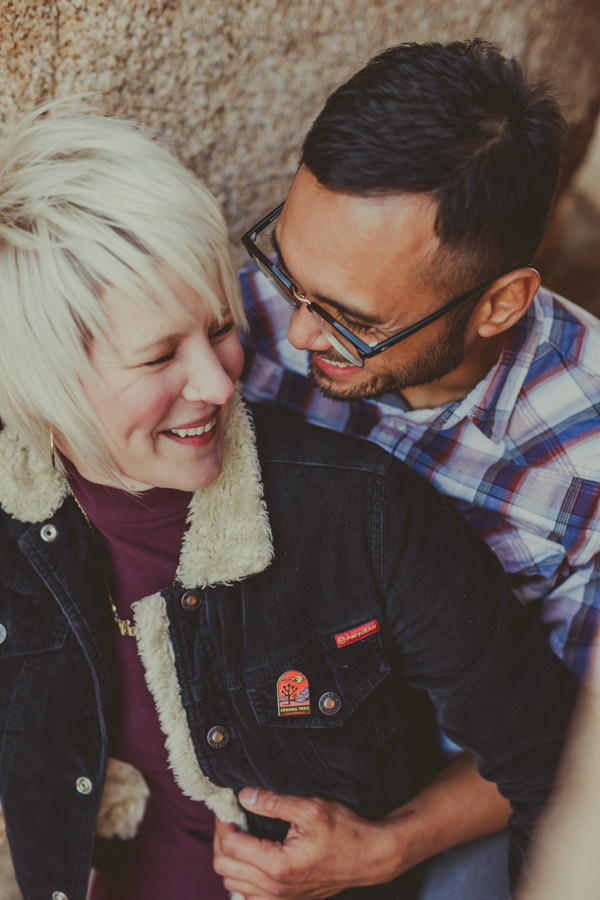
(222,331)
(218,334)
(161,359)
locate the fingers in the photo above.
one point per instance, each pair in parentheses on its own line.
(222,829)
(259,853)
(248,889)
(244,862)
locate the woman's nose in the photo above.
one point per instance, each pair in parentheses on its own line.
(303,331)
(207,381)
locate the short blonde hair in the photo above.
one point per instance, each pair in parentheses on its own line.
(89,202)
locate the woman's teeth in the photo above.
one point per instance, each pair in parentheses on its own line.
(193,432)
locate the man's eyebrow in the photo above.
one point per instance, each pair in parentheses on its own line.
(348,311)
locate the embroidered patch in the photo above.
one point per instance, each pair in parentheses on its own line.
(357,634)
(293,695)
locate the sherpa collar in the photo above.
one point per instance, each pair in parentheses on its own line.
(229,535)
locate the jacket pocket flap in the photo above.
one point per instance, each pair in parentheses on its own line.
(319,690)
(29,624)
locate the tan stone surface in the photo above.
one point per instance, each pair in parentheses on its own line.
(572,266)
(233,86)
(8,888)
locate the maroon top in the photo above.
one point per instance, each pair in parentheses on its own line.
(172,853)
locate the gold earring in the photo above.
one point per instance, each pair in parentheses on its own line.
(52,451)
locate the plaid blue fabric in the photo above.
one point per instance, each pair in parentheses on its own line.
(519,456)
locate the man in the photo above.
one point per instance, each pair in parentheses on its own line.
(404,245)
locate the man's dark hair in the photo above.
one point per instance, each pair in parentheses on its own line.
(461,123)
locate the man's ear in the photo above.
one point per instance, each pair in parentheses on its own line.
(506,301)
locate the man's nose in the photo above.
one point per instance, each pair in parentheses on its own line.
(303,331)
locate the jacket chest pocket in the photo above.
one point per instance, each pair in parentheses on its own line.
(31,631)
(324,718)
(29,625)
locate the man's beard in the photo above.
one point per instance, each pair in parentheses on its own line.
(442,357)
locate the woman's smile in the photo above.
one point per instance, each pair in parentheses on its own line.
(163,388)
(197,434)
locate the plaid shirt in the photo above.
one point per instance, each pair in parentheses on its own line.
(519,456)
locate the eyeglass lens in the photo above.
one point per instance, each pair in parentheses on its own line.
(337,341)
(281,288)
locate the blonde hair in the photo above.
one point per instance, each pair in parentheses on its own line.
(89,202)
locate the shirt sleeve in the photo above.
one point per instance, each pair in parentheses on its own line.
(571,611)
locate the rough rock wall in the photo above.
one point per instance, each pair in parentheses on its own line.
(232,87)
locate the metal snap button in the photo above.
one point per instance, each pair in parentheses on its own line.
(83,785)
(3,633)
(48,533)
(218,737)
(330,703)
(190,601)
(59,895)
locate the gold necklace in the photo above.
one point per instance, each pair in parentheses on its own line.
(125,626)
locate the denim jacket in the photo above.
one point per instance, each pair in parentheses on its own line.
(330,606)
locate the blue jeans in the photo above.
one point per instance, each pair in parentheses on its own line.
(477,870)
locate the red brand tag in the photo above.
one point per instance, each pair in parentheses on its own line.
(357,634)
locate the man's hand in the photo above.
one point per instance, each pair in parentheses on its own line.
(329,848)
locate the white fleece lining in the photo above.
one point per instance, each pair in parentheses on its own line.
(30,489)
(229,536)
(157,656)
(156,652)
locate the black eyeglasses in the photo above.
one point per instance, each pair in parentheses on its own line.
(341,338)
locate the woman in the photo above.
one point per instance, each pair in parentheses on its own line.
(77,190)
(219,599)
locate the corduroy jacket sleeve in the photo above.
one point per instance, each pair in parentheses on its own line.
(498,689)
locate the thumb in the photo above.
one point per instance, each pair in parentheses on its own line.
(274,806)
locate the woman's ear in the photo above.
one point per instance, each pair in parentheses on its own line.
(506,301)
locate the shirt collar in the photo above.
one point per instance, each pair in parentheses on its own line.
(489,405)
